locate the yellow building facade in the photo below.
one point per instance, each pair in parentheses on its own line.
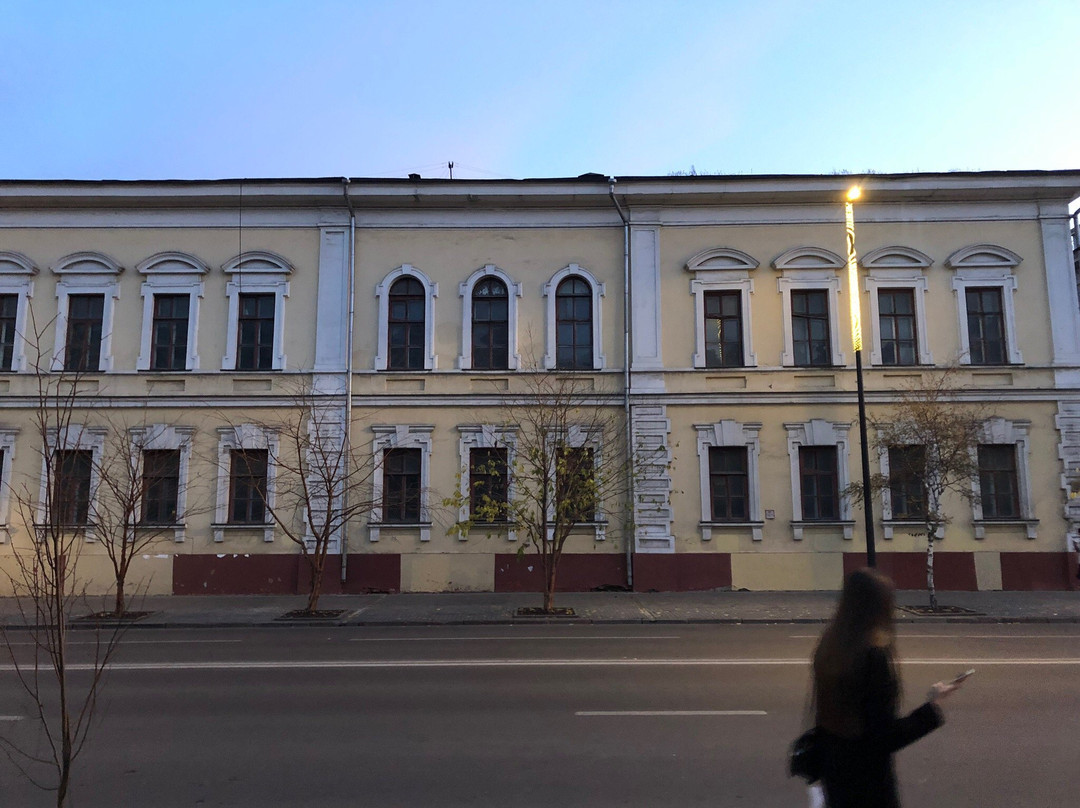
(183,321)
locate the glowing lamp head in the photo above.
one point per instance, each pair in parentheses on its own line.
(854,192)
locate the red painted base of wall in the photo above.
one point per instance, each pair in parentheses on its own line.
(576,573)
(952,571)
(1036,571)
(282,574)
(688,572)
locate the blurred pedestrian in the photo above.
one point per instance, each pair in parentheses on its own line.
(857,694)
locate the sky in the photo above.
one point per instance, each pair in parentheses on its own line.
(188,89)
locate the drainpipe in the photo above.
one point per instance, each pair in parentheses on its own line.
(626,386)
(347,437)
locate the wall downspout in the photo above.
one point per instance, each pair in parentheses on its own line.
(632,538)
(347,437)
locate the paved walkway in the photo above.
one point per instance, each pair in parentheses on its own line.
(193,611)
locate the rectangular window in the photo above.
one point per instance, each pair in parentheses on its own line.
(998,482)
(723,330)
(729,484)
(810,327)
(71,494)
(169,339)
(160,486)
(83,349)
(820,488)
(575,483)
(488,483)
(906,468)
(255,332)
(986,326)
(896,321)
(401,486)
(9,306)
(247,486)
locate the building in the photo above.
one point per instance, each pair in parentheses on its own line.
(713,310)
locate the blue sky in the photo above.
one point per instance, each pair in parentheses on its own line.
(193,89)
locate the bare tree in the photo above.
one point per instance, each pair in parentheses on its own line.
(931,439)
(564,467)
(140,495)
(322,482)
(45,579)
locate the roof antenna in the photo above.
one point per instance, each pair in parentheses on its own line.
(450,165)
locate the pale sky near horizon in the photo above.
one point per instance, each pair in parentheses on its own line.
(242,88)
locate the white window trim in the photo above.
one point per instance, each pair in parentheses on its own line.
(382,295)
(256,272)
(17,278)
(73,438)
(171,273)
(485,436)
(244,436)
(808,268)
(576,436)
(513,291)
(598,289)
(86,273)
(1017,433)
(982,265)
(400,436)
(818,432)
(7,446)
(163,437)
(897,268)
(733,434)
(722,270)
(887,521)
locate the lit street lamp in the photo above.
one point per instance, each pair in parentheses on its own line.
(856,339)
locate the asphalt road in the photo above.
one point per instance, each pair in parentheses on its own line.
(577,715)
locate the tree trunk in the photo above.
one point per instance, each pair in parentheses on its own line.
(120,606)
(315,567)
(930,566)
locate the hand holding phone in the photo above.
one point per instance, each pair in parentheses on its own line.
(960,677)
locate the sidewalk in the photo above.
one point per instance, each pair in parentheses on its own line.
(217,611)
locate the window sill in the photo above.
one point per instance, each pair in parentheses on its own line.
(220,529)
(375,528)
(887,526)
(177,528)
(1031,526)
(847,524)
(707,528)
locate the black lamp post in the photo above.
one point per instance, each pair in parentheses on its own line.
(856,338)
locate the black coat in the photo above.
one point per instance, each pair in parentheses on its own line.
(858,772)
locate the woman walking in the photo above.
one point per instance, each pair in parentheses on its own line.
(857,694)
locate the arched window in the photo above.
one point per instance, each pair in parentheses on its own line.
(407,338)
(490,325)
(574,325)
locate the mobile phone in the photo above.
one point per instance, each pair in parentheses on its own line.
(962,676)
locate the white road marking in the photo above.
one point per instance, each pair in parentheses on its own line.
(308,664)
(963,636)
(138,642)
(456,639)
(11,718)
(670,712)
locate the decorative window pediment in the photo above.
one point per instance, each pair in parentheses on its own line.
(721,259)
(808,258)
(172,263)
(87,264)
(983,256)
(13,263)
(896,258)
(258,262)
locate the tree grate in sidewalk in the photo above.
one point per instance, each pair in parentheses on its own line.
(941,611)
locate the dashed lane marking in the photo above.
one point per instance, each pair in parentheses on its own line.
(668,712)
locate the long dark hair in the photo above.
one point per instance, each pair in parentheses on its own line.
(863,620)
